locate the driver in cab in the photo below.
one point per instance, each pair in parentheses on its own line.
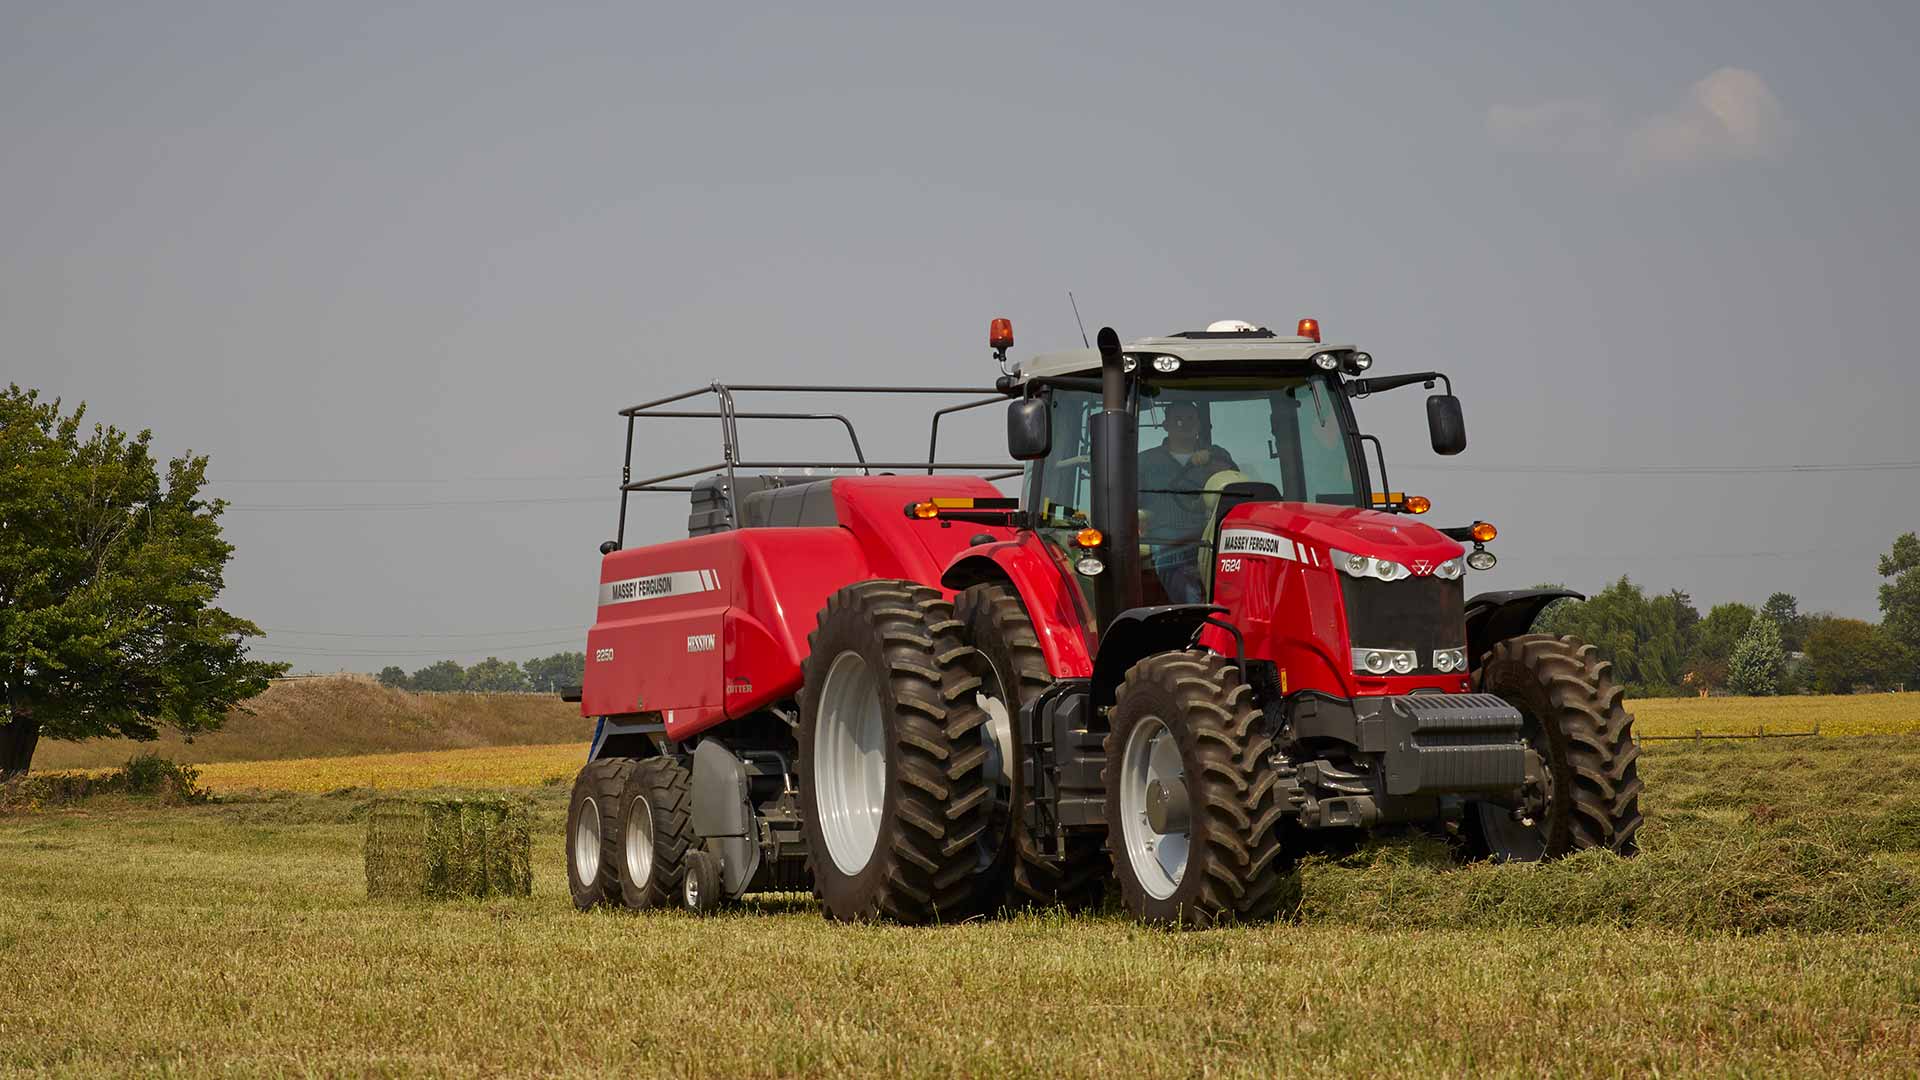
(1173,512)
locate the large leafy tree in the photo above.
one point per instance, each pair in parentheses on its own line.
(553,673)
(494,675)
(1845,653)
(1900,595)
(1784,610)
(109,568)
(1714,640)
(1647,639)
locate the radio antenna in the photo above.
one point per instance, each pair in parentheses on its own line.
(1076,320)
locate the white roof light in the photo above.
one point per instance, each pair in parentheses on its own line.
(1231,326)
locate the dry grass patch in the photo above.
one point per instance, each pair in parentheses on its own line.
(492,766)
(1847,714)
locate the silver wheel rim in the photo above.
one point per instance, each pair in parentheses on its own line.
(691,891)
(850,762)
(1159,860)
(586,843)
(640,843)
(997,735)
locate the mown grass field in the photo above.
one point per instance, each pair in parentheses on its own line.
(235,937)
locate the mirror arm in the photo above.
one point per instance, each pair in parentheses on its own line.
(1363,387)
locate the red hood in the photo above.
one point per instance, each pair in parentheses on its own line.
(1399,537)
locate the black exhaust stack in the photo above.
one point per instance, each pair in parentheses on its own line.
(1116,484)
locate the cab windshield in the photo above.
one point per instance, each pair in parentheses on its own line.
(1197,435)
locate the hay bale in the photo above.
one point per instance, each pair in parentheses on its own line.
(449,847)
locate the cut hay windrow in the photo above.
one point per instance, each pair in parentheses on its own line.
(449,847)
(1703,880)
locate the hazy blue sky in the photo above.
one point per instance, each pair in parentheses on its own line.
(419,254)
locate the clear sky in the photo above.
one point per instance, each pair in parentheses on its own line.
(416,255)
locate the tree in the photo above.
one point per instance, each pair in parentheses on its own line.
(1647,640)
(393,676)
(443,676)
(1845,653)
(1900,596)
(108,575)
(494,676)
(1784,610)
(1714,640)
(549,674)
(1757,661)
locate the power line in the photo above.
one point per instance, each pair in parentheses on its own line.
(1670,470)
(302,650)
(486,634)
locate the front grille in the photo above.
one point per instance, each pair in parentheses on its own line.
(1418,613)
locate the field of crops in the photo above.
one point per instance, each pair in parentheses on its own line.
(1857,714)
(1772,927)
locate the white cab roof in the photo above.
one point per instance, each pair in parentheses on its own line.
(1191,350)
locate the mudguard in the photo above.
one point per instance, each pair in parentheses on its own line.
(1053,601)
(1138,633)
(1496,616)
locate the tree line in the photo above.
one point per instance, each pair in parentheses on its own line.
(1662,646)
(545,674)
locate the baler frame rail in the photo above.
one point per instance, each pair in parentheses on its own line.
(729,416)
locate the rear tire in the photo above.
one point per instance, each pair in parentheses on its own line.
(997,624)
(1573,716)
(593,834)
(891,768)
(1185,721)
(655,829)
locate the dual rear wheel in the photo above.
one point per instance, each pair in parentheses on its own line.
(628,833)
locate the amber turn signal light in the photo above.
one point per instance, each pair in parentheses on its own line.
(925,510)
(1418,504)
(1483,531)
(1087,538)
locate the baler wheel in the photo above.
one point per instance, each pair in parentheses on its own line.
(593,834)
(655,829)
(997,624)
(1576,721)
(1192,816)
(892,762)
(700,889)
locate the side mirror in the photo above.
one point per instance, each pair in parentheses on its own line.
(1445,424)
(1029,430)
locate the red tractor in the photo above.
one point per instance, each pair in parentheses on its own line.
(1200,643)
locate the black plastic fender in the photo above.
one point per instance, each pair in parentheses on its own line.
(1496,616)
(1138,633)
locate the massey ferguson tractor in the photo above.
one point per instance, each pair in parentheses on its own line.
(1200,642)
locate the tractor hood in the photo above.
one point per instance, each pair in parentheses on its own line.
(1315,527)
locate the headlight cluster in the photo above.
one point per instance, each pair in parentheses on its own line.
(1403,661)
(1381,661)
(1366,566)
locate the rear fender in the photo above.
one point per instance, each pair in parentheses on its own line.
(1496,616)
(1058,611)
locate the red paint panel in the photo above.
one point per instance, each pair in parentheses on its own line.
(1053,602)
(655,643)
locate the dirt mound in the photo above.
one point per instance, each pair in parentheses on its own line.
(323,717)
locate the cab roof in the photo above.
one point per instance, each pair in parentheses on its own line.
(1192,347)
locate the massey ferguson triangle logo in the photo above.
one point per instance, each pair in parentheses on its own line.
(1422,566)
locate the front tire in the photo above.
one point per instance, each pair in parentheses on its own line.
(1015,672)
(593,834)
(891,756)
(1192,816)
(1574,718)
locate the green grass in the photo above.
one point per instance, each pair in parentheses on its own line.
(236,937)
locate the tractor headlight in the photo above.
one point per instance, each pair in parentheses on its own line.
(1449,660)
(1128,363)
(1090,567)
(1481,559)
(1362,361)
(1382,661)
(1166,365)
(1326,361)
(1447,570)
(1366,566)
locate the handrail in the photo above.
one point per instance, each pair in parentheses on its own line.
(732,459)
